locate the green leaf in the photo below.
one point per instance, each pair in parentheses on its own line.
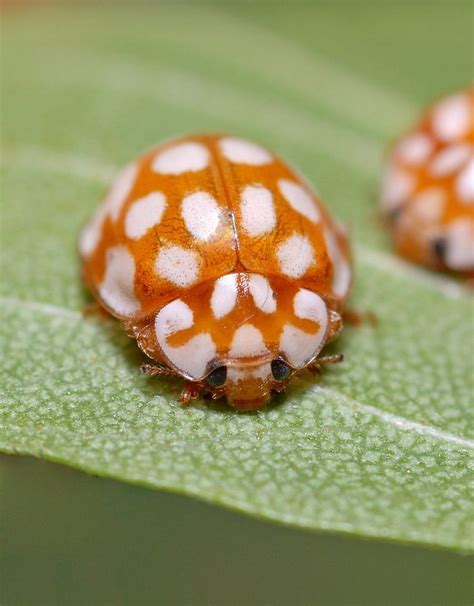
(380,447)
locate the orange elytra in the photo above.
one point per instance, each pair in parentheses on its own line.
(428,187)
(223,263)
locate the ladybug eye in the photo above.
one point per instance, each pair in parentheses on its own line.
(439,248)
(280,370)
(217,377)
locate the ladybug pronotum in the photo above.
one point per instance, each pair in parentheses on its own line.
(428,187)
(222,263)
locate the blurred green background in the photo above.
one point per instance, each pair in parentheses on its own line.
(285,70)
(69,538)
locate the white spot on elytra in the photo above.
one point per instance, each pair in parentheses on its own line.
(460,246)
(451,118)
(414,149)
(342,274)
(120,190)
(178,265)
(299,199)
(90,235)
(224,295)
(181,158)
(172,318)
(295,255)
(396,187)
(428,205)
(465,184)
(193,357)
(300,347)
(117,288)
(309,306)
(111,206)
(450,159)
(257,210)
(144,214)
(240,151)
(201,214)
(342,278)
(262,293)
(247,342)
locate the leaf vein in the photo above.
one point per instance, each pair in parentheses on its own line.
(395,420)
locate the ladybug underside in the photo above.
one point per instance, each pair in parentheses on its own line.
(222,263)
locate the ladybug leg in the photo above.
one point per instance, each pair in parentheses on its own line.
(217,393)
(356,317)
(155,371)
(280,388)
(316,367)
(332,359)
(191,391)
(335,325)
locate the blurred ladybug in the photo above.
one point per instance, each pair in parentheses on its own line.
(428,187)
(222,263)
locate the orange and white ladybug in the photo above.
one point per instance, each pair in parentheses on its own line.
(428,187)
(222,263)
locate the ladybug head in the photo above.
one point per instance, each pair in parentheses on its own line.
(250,370)
(242,336)
(249,386)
